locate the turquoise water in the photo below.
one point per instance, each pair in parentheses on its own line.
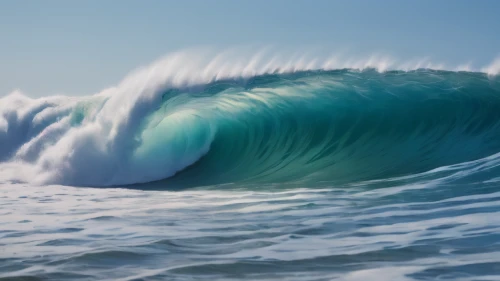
(311,175)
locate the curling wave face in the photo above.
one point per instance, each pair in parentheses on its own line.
(191,126)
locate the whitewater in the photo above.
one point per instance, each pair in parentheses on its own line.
(272,167)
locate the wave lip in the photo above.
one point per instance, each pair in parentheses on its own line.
(255,122)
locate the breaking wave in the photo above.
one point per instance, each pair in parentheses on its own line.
(186,120)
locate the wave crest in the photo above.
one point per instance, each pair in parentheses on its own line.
(256,118)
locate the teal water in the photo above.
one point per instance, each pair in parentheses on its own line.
(311,175)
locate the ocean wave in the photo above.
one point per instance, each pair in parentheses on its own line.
(192,119)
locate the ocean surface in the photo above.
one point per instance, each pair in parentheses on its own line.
(194,169)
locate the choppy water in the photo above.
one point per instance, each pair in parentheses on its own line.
(443,224)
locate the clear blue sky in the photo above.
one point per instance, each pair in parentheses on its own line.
(81,47)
